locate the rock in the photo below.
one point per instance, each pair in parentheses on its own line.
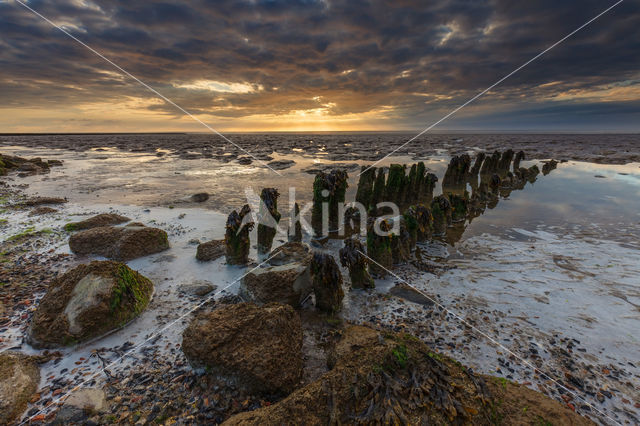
(200,197)
(39,211)
(269,219)
(19,380)
(27,167)
(281,164)
(244,160)
(120,243)
(88,301)
(38,201)
(211,250)
(409,293)
(237,236)
(385,378)
(198,288)
(256,348)
(103,219)
(81,405)
(327,282)
(285,279)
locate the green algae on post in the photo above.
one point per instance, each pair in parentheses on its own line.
(330,189)
(268,213)
(379,248)
(352,257)
(327,282)
(295,226)
(237,237)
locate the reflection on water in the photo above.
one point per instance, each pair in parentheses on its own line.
(571,198)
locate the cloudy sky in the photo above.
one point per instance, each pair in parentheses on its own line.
(319,65)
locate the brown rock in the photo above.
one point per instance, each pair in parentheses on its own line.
(38,211)
(259,349)
(211,250)
(119,243)
(285,279)
(19,379)
(384,378)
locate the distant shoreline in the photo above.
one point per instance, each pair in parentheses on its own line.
(440,132)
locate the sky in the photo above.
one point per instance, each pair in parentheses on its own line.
(251,66)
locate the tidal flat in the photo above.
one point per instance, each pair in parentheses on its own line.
(541,287)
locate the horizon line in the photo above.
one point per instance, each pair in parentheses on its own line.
(455,131)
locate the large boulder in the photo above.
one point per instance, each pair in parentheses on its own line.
(256,348)
(88,301)
(19,379)
(103,219)
(120,243)
(286,278)
(384,378)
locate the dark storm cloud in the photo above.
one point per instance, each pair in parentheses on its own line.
(345,57)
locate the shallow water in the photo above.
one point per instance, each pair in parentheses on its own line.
(559,258)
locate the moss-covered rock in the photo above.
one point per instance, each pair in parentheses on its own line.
(104,219)
(385,378)
(88,301)
(237,237)
(352,257)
